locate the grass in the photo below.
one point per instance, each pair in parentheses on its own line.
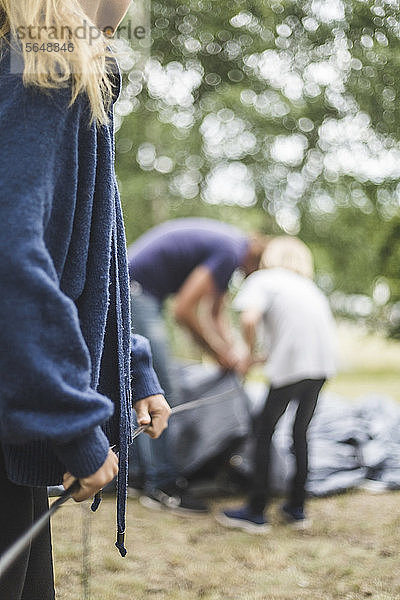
(350,553)
(368,364)
(362,383)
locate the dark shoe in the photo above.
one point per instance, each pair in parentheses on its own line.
(243,518)
(174,499)
(295,516)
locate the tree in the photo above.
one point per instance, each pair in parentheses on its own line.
(279,115)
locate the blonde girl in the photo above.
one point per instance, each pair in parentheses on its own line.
(64,306)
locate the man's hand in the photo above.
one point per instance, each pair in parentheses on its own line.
(89,486)
(229,359)
(153,411)
(243,365)
(248,361)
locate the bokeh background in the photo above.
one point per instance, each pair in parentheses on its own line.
(281,116)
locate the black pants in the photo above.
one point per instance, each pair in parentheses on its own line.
(31,577)
(306,393)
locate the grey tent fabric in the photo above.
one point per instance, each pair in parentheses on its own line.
(381,453)
(349,441)
(219,415)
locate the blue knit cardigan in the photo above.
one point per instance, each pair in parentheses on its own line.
(64,291)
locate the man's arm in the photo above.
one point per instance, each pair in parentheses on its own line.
(219,320)
(198,286)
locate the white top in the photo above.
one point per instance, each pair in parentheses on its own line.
(299,329)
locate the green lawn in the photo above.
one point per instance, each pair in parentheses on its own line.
(361,383)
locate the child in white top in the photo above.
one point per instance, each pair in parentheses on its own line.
(283,304)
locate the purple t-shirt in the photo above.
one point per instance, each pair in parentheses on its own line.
(161,259)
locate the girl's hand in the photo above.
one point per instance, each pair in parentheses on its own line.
(153,411)
(89,486)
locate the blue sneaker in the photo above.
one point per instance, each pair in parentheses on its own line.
(295,516)
(242,518)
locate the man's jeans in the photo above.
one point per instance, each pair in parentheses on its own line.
(154,459)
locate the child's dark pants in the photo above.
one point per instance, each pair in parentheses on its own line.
(306,393)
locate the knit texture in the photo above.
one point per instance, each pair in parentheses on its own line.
(64,317)
(142,360)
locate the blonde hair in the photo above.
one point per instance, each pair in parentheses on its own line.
(84,69)
(290,253)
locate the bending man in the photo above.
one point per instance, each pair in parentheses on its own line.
(192,259)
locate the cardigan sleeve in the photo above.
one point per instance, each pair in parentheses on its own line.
(144,378)
(44,361)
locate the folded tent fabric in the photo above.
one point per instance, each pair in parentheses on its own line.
(349,441)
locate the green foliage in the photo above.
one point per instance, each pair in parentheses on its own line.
(281,116)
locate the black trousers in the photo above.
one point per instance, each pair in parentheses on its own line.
(31,577)
(306,393)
